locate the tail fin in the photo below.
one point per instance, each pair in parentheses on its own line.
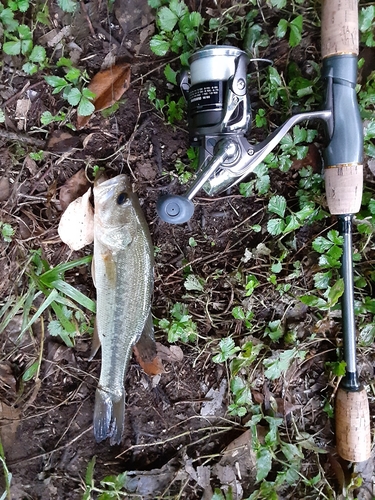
(108,416)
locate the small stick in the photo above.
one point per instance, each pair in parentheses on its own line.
(13,136)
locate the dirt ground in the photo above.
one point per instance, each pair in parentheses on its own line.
(173,437)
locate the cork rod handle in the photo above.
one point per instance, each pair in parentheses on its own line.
(352,416)
(339,27)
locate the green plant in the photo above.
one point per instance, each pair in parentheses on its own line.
(330,250)
(294,27)
(6,231)
(59,296)
(172,110)
(72,86)
(180,327)
(111,487)
(366,25)
(18,38)
(285,224)
(179,29)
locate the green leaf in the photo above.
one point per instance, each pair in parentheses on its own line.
(30,68)
(366,17)
(238,313)
(7,18)
(335,237)
(192,282)
(31,371)
(56,81)
(159,45)
(23,5)
(338,368)
(166,19)
(74,294)
(313,301)
(276,367)
(335,292)
(217,495)
(74,96)
(281,28)
(69,6)
(321,244)
(73,75)
(321,280)
(24,32)
(85,107)
(170,74)
(264,463)
(227,348)
(275,226)
(38,54)
(56,329)
(277,205)
(276,267)
(295,31)
(292,223)
(12,48)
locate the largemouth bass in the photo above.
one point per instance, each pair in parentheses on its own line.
(123,276)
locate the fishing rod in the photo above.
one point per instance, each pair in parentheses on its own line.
(344,184)
(219,117)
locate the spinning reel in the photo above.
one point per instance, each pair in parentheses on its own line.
(219,116)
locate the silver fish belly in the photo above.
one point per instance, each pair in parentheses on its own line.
(123,276)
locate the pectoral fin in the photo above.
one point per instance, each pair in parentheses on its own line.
(95,342)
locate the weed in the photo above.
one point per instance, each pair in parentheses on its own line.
(72,86)
(294,27)
(6,231)
(60,296)
(179,29)
(180,327)
(172,110)
(111,487)
(285,224)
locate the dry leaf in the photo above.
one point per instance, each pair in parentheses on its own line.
(22,109)
(9,421)
(4,189)
(108,87)
(73,188)
(171,354)
(153,367)
(62,142)
(6,375)
(76,227)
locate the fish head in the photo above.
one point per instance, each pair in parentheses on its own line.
(114,209)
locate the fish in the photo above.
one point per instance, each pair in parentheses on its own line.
(123,276)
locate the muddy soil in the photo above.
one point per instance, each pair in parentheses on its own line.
(177,424)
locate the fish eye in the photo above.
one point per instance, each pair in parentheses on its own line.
(121,198)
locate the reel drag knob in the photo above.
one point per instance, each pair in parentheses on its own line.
(174,209)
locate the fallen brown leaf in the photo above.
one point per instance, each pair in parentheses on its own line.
(4,188)
(153,367)
(108,86)
(73,188)
(62,142)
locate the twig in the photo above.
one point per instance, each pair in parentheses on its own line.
(83,7)
(13,136)
(18,94)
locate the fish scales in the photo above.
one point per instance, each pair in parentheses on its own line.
(123,275)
